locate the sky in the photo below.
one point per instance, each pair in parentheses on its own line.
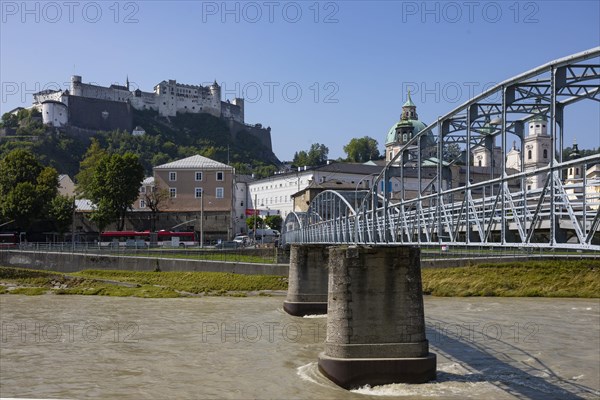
(315,72)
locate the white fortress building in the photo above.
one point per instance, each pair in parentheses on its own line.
(168,99)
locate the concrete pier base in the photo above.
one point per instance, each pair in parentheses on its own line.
(375,320)
(308,277)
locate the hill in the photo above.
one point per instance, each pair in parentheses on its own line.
(166,139)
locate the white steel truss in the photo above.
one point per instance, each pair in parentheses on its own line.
(563,211)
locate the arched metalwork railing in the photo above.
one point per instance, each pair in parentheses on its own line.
(554,204)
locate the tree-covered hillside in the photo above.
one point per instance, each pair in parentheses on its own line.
(166,139)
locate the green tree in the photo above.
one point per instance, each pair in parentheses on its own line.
(452,152)
(260,222)
(274,221)
(362,149)
(102,215)
(115,186)
(88,165)
(61,212)
(9,120)
(26,187)
(315,156)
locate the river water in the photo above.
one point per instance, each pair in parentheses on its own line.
(233,348)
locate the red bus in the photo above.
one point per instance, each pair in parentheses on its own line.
(143,239)
(9,239)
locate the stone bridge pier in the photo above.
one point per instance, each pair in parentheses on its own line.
(308,277)
(375,318)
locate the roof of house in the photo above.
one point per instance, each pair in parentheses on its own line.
(194,162)
(84,205)
(148,181)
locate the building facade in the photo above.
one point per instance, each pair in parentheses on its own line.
(189,191)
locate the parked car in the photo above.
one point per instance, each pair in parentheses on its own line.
(242,240)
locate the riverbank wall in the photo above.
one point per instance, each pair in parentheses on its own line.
(73,262)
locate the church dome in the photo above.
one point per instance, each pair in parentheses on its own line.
(417,126)
(409,124)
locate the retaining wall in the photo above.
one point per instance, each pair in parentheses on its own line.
(73,262)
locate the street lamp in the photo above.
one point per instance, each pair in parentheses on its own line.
(201,219)
(255,210)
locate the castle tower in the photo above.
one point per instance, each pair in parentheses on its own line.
(240,102)
(215,101)
(76,89)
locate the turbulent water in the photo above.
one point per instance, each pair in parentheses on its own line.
(216,347)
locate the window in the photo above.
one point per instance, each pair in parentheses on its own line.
(143,189)
(479,163)
(198,192)
(576,171)
(220,176)
(528,187)
(198,176)
(173,192)
(529,154)
(142,204)
(172,176)
(220,193)
(545,153)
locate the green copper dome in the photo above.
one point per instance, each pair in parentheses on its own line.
(417,125)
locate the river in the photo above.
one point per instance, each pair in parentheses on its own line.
(222,347)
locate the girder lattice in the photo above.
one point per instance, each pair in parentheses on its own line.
(464,204)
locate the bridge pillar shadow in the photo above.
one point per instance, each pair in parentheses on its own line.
(308,277)
(375,319)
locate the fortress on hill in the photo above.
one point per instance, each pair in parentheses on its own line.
(94,107)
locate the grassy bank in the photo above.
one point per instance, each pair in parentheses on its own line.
(137,284)
(564,278)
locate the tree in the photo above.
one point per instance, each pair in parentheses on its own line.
(155,199)
(88,165)
(452,152)
(61,212)
(26,187)
(362,149)
(115,186)
(260,223)
(274,221)
(316,155)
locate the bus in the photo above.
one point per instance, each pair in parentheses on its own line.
(9,239)
(143,239)
(176,239)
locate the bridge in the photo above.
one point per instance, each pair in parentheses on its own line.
(549,204)
(356,254)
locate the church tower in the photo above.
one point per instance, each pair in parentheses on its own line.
(404,130)
(537,146)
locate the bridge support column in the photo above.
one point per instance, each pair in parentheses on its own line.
(309,273)
(375,319)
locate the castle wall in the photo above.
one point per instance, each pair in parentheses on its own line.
(232,111)
(99,92)
(262,134)
(48,95)
(98,114)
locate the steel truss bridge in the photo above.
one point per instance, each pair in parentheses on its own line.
(454,202)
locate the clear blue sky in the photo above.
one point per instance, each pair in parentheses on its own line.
(352,61)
